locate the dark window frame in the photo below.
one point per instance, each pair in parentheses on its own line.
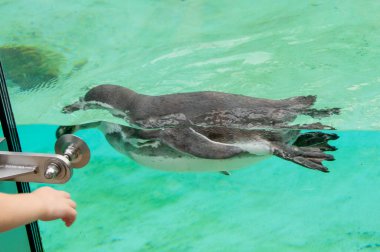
(8,125)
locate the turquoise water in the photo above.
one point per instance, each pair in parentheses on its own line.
(269,49)
(272,206)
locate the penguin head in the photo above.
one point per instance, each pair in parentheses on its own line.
(106,95)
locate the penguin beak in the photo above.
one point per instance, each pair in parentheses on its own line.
(73,107)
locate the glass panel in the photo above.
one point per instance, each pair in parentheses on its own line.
(16,239)
(266,49)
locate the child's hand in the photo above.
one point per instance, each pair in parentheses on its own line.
(55,204)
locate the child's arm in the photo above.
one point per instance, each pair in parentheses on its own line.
(43,204)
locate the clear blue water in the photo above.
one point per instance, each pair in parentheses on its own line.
(272,206)
(269,49)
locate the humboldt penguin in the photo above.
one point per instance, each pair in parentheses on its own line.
(208,126)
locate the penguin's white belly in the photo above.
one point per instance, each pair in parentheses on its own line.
(192,164)
(255,151)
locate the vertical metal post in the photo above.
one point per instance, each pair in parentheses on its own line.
(10,133)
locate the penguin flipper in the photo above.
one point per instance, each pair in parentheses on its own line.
(71,129)
(308,157)
(189,141)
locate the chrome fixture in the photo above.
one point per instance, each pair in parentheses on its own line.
(71,152)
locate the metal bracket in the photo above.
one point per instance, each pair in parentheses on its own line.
(45,168)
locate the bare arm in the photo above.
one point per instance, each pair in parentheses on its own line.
(43,204)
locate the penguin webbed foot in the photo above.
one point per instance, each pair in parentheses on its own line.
(303,101)
(321,113)
(308,157)
(317,140)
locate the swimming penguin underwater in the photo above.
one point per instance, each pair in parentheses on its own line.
(213,130)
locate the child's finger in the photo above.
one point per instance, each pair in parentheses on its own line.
(65,194)
(71,213)
(70,217)
(72,203)
(68,222)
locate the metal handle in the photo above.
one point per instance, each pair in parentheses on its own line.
(74,149)
(45,168)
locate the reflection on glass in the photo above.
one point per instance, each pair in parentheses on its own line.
(54,54)
(29,67)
